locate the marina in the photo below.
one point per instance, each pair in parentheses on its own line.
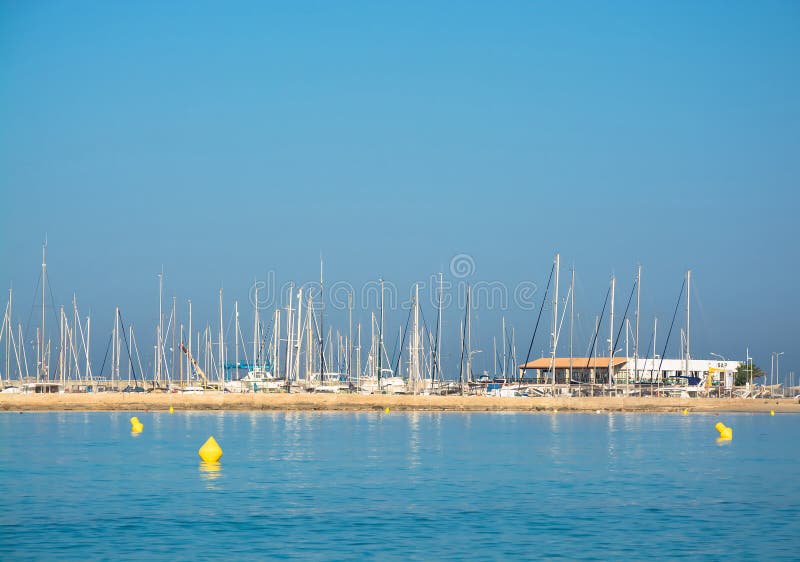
(294,354)
(409,281)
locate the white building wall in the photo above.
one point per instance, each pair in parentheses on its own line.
(674,367)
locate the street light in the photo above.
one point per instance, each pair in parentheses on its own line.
(773,367)
(777,367)
(469,361)
(721,358)
(613,354)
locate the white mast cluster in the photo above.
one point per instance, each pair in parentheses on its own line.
(282,359)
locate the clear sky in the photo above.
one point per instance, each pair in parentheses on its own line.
(221,141)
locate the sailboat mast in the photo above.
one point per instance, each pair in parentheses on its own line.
(61,345)
(236,335)
(174,349)
(358,355)
(688,301)
(514,350)
(415,357)
(289,334)
(350,336)
(554,334)
(221,344)
(636,340)
(321,324)
(88,344)
(594,351)
(380,340)
(468,339)
(461,360)
(371,358)
(503,340)
(42,361)
(628,374)
(276,338)
(655,334)
(159,339)
(73,336)
(439,333)
(298,337)
(468,342)
(130,359)
(494,356)
(256,337)
(10,332)
(113,347)
(571,318)
(309,339)
(191,337)
(611,335)
(117,343)
(180,360)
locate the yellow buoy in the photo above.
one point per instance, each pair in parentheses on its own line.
(136,425)
(725,432)
(772,412)
(386,409)
(210,451)
(171,410)
(686,411)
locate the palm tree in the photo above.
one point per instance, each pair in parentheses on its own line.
(745,373)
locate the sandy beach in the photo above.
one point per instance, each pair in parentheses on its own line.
(354,402)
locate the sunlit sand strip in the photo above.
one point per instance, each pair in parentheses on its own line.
(346,402)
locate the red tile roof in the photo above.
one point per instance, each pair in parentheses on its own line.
(577,363)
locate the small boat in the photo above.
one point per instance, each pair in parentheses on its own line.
(388,385)
(193,390)
(332,383)
(261,380)
(43,388)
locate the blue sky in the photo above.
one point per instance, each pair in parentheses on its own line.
(221,141)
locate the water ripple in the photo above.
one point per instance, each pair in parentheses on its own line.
(423,486)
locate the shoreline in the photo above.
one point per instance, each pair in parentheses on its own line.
(378,402)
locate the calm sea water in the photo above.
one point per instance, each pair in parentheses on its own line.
(399,486)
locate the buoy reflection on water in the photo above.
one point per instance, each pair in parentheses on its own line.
(210,470)
(210,473)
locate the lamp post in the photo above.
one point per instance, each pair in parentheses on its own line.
(749,361)
(470,355)
(611,363)
(721,358)
(773,367)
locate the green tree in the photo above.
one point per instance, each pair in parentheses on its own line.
(742,376)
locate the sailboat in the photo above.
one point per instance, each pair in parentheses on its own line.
(380,379)
(260,378)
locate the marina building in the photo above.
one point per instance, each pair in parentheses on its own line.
(580,370)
